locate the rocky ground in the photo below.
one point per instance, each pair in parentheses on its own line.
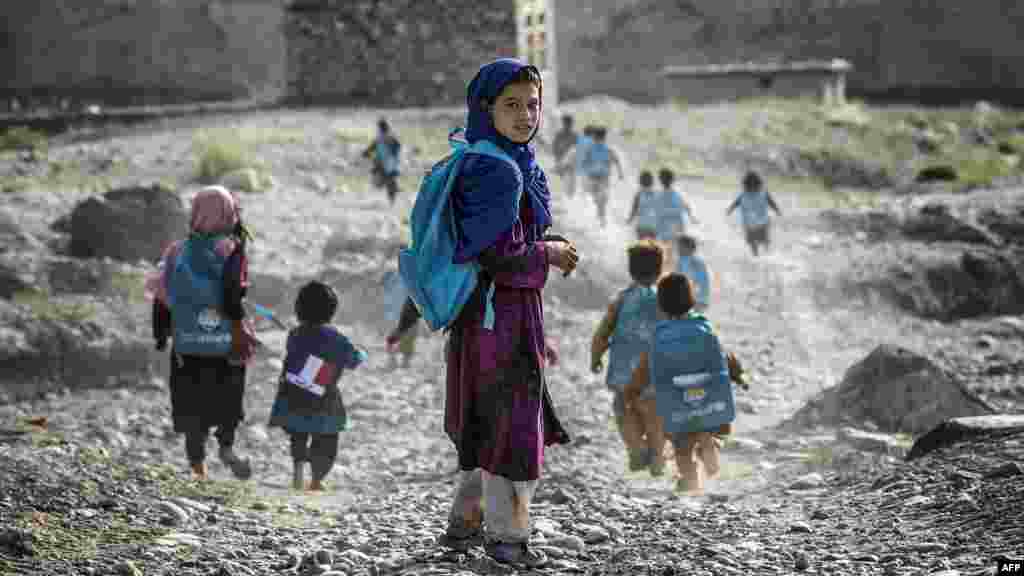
(100,486)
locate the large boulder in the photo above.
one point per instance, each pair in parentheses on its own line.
(129,224)
(895,389)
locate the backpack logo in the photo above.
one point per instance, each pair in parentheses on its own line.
(438,285)
(208,319)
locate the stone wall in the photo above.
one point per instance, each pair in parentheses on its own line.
(127,52)
(401,52)
(931,50)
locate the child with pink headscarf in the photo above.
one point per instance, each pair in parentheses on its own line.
(197,303)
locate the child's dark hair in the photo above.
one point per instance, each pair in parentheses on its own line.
(645,260)
(567,119)
(752,181)
(383,125)
(687,241)
(316,303)
(675,294)
(646,179)
(600,133)
(666,176)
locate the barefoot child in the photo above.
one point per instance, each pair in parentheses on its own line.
(395,295)
(645,208)
(498,411)
(308,404)
(691,377)
(564,141)
(754,203)
(626,330)
(197,303)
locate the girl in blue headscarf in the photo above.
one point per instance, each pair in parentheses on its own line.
(498,411)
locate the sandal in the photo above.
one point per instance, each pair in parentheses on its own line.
(516,553)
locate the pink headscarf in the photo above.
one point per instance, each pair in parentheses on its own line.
(214,210)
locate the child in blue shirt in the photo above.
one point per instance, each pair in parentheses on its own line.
(308,404)
(693,266)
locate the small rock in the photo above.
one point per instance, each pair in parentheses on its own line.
(127,568)
(592,534)
(1006,470)
(867,558)
(800,528)
(567,541)
(800,561)
(174,515)
(260,506)
(808,482)
(819,514)
(562,496)
(324,556)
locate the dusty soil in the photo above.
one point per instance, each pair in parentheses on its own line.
(103,489)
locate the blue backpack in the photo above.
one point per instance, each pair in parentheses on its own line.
(638,313)
(195,292)
(437,284)
(690,376)
(386,157)
(694,268)
(598,161)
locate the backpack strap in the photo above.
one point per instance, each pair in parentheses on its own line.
(485,147)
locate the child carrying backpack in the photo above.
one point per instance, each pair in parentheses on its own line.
(626,330)
(754,203)
(198,291)
(386,153)
(598,160)
(477,264)
(694,267)
(690,378)
(645,208)
(309,404)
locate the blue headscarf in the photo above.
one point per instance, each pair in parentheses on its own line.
(486,203)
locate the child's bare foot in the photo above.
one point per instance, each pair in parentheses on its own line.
(316,486)
(199,471)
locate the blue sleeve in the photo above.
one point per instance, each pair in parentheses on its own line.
(349,356)
(485,200)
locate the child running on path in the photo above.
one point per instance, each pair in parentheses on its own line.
(564,141)
(626,329)
(754,203)
(197,303)
(697,359)
(598,159)
(386,153)
(498,411)
(694,267)
(308,404)
(645,208)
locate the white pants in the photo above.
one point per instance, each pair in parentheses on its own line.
(506,505)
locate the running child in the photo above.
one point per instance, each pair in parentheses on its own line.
(386,153)
(598,159)
(626,330)
(694,267)
(197,293)
(754,203)
(565,140)
(645,208)
(309,405)
(687,368)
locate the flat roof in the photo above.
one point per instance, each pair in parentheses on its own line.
(757,68)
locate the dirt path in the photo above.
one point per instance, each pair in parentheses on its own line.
(388,495)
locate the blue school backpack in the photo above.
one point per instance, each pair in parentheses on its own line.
(638,313)
(598,160)
(697,271)
(437,284)
(754,208)
(195,292)
(387,157)
(691,376)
